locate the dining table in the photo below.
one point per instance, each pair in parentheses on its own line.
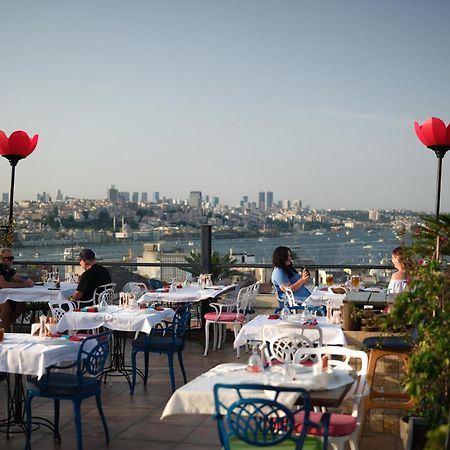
(39,293)
(122,321)
(23,354)
(326,389)
(332,333)
(192,293)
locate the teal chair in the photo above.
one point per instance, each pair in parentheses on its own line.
(253,415)
(75,381)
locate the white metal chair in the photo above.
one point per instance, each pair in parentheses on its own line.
(343,427)
(139,289)
(280,345)
(232,313)
(59,307)
(106,291)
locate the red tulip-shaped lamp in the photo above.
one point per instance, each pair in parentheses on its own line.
(16,147)
(434,134)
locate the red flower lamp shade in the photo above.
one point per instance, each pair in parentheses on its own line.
(434,134)
(17,146)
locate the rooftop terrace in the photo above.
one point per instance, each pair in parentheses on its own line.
(134,421)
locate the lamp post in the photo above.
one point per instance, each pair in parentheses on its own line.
(435,135)
(18,146)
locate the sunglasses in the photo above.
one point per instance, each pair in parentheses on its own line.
(9,258)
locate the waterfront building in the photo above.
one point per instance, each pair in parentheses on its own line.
(156,253)
(374,214)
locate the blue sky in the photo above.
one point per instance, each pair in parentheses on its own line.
(313,100)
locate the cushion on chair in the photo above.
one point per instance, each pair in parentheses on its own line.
(310,444)
(225,317)
(394,343)
(156,343)
(63,384)
(340,424)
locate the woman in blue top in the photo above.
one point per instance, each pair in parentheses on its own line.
(285,276)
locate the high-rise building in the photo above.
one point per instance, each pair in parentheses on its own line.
(269,200)
(124,196)
(112,194)
(286,204)
(245,198)
(144,197)
(195,199)
(215,201)
(262,201)
(59,196)
(156,197)
(5,197)
(135,197)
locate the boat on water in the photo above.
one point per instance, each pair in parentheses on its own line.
(71,253)
(367,246)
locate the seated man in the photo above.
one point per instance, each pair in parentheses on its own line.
(94,276)
(10,310)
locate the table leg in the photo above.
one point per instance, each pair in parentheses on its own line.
(16,422)
(117,366)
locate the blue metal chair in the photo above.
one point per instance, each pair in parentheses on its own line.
(253,415)
(169,340)
(75,381)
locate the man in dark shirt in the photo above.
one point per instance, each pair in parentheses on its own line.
(94,275)
(10,310)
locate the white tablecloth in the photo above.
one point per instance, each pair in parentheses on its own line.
(369,295)
(37,293)
(115,318)
(197,397)
(30,355)
(186,294)
(253,331)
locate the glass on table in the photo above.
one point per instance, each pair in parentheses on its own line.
(329,279)
(255,363)
(355,281)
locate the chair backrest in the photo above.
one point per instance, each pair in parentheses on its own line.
(104,292)
(243,299)
(341,358)
(139,289)
(59,307)
(180,323)
(92,355)
(281,343)
(254,414)
(254,290)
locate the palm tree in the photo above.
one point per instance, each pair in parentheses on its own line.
(220,265)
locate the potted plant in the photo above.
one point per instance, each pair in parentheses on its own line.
(423,313)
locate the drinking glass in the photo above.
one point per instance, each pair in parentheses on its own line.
(255,363)
(355,281)
(44,276)
(329,279)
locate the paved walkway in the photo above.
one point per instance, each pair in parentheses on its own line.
(134,421)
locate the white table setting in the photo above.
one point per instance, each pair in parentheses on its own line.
(116,318)
(37,293)
(332,333)
(196,397)
(185,294)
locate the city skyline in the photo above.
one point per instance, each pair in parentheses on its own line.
(311,101)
